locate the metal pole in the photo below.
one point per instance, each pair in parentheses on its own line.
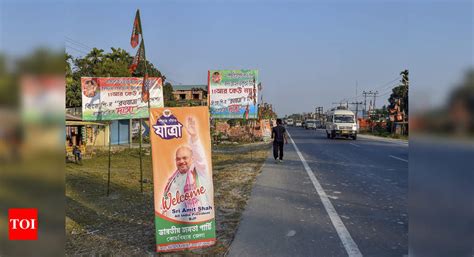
(130,123)
(149,100)
(108,173)
(140,154)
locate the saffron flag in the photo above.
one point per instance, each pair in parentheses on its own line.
(246,113)
(145,89)
(136,31)
(138,56)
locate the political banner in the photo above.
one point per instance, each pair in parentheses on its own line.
(182,175)
(266,130)
(233,94)
(118,98)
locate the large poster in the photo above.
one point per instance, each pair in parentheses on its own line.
(182,175)
(233,93)
(118,98)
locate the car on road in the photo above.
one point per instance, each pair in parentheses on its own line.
(341,122)
(310,124)
(298,123)
(289,122)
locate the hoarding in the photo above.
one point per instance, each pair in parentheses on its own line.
(233,93)
(182,175)
(117,98)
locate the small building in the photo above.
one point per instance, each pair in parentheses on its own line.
(87,134)
(193,94)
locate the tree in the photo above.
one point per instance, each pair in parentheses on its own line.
(168,92)
(400,92)
(9,91)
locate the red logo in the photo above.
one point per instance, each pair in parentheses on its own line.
(23,224)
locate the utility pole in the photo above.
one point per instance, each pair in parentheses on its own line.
(371,104)
(318,112)
(405,82)
(375,95)
(357,107)
(340,103)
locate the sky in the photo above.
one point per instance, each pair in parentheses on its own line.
(308,53)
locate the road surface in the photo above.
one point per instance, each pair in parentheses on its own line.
(337,197)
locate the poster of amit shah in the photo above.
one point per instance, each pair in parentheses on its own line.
(182,176)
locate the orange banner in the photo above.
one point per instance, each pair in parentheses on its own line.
(182,174)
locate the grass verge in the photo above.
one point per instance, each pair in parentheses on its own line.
(122,223)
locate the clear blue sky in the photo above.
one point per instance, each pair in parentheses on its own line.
(308,53)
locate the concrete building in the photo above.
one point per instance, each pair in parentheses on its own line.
(193,94)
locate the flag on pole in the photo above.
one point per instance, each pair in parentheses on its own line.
(246,113)
(136,31)
(145,89)
(138,56)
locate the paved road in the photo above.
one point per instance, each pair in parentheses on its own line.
(349,199)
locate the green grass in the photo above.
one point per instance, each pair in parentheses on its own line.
(122,223)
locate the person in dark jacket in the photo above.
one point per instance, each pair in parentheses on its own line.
(279,136)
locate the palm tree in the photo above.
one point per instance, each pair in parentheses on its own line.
(95,56)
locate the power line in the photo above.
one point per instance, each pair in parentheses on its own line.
(389,83)
(388,93)
(383,86)
(70,47)
(77,45)
(73,41)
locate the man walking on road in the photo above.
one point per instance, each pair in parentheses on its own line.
(279,136)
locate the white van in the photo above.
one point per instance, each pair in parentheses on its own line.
(310,124)
(341,122)
(289,122)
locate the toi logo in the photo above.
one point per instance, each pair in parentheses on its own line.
(23,224)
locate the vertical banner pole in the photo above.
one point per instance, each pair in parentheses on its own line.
(130,137)
(110,145)
(140,154)
(149,105)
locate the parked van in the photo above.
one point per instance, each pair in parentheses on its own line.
(341,122)
(310,124)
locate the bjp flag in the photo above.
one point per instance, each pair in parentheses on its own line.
(136,30)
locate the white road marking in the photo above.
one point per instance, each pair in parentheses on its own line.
(351,247)
(354,145)
(398,158)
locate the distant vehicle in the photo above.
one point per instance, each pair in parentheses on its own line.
(289,122)
(310,124)
(341,122)
(298,123)
(319,124)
